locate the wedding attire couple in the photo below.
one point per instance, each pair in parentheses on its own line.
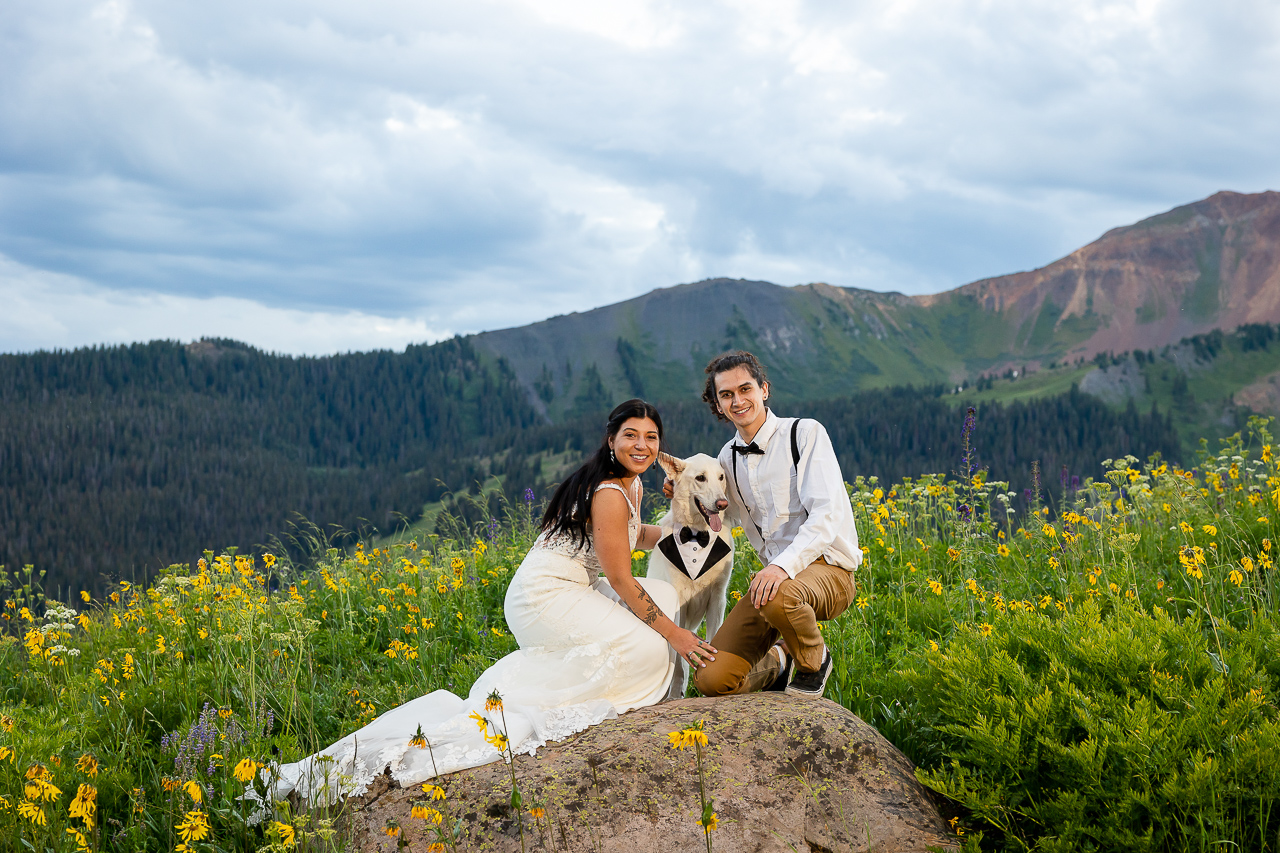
(595,641)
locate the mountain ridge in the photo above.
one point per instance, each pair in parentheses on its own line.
(1213,263)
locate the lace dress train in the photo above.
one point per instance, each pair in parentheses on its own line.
(584,657)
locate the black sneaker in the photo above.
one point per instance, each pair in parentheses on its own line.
(814,683)
(780,683)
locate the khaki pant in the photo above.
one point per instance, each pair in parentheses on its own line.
(743,663)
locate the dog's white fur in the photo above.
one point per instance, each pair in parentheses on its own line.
(698,480)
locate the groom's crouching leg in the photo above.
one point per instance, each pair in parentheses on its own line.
(820,592)
(729,674)
(724,676)
(743,662)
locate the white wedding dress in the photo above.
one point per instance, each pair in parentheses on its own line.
(583,657)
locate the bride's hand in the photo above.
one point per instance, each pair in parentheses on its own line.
(695,650)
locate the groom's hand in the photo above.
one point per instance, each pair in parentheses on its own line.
(668,488)
(764,586)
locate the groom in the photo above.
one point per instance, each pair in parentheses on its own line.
(786,492)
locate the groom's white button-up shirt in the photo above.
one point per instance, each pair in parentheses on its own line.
(792,513)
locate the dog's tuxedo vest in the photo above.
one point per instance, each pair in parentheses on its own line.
(690,557)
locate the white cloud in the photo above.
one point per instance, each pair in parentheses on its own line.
(52,311)
(490,163)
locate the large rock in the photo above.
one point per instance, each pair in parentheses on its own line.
(786,774)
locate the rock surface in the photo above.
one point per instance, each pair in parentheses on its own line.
(786,774)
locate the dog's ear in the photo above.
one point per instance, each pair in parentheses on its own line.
(671,465)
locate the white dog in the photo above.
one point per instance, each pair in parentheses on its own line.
(695,553)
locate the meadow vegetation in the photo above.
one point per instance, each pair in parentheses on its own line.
(1096,674)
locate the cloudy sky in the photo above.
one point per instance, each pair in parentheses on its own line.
(324,176)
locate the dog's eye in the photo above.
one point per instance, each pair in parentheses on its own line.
(701,478)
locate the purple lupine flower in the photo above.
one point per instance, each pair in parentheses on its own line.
(493,529)
(970,421)
(528,496)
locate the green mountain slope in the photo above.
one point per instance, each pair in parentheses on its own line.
(116,461)
(1211,264)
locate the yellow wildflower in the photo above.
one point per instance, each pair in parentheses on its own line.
(285,830)
(33,813)
(245,770)
(422,811)
(87,765)
(688,736)
(194,827)
(85,805)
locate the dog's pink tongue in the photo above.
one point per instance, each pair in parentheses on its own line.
(713,519)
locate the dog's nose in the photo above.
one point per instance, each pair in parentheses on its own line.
(721,504)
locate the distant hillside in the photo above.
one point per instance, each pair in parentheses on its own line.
(1211,264)
(116,461)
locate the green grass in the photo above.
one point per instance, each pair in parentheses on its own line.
(1044,382)
(1101,677)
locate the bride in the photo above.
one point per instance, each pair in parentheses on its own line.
(591,647)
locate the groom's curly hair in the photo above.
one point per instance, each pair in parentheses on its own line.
(725,362)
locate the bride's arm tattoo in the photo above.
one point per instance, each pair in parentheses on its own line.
(651,611)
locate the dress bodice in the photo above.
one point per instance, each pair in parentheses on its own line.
(585,553)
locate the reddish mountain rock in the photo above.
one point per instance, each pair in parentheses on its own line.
(1211,264)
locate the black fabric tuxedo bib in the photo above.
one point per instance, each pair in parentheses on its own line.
(690,557)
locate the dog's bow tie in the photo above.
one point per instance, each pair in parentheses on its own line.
(752,449)
(703,537)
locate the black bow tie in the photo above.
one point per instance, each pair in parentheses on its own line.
(703,537)
(752,448)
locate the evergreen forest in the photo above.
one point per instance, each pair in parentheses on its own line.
(118,461)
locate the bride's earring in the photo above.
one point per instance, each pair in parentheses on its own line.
(612,457)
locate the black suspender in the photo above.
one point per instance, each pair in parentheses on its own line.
(795,461)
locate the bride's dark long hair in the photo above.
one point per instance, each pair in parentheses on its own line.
(570,506)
